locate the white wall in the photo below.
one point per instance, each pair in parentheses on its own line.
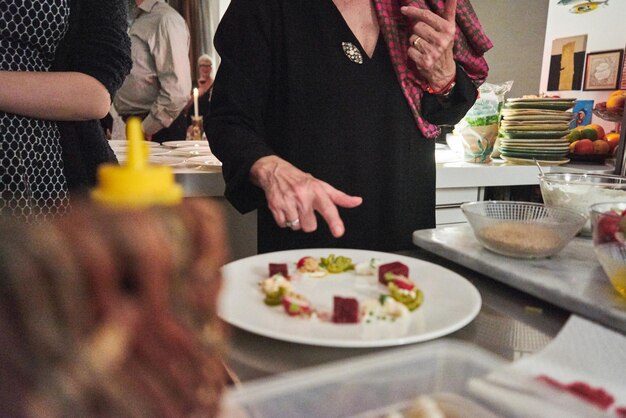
(517,30)
(605,28)
(223,5)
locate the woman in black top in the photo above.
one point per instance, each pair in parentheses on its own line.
(307,105)
(61,61)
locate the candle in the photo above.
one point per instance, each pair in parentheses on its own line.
(195,102)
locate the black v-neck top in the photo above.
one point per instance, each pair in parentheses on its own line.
(286,87)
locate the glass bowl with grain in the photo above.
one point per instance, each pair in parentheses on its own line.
(522,229)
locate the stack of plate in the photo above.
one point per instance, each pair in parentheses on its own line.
(535,128)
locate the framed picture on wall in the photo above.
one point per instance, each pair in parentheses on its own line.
(567,60)
(603,70)
(623,83)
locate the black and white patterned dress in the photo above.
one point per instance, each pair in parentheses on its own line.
(32,184)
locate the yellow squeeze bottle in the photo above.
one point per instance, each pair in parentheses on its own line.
(137,183)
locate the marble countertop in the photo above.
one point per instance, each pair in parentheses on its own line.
(572,279)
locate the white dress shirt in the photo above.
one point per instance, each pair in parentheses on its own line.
(159,83)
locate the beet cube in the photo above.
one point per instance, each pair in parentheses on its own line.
(345,310)
(396,268)
(281,268)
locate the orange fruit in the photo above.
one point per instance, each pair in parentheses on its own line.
(601,147)
(613,139)
(583,147)
(616,101)
(598,128)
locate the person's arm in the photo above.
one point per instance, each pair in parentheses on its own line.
(243,90)
(171,59)
(54,96)
(450,93)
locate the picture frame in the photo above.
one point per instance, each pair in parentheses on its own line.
(583,110)
(623,82)
(603,70)
(567,61)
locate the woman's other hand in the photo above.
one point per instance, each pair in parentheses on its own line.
(294,196)
(431,43)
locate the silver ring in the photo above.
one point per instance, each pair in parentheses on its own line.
(292,224)
(415,41)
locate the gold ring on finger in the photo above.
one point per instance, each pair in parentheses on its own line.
(415,41)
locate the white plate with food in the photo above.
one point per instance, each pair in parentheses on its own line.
(186,144)
(448,303)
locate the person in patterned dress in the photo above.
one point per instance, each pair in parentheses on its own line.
(35,100)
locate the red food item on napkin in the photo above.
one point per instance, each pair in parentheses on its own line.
(597,396)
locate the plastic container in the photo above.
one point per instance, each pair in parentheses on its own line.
(369,386)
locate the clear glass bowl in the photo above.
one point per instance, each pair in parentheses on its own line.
(609,242)
(578,191)
(522,229)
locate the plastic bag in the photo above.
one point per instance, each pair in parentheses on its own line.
(479,128)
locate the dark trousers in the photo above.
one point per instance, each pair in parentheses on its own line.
(177,131)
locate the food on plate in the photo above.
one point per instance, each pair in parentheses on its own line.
(274,288)
(397,293)
(276,268)
(520,238)
(337,264)
(385,308)
(411,298)
(396,268)
(345,310)
(367,268)
(296,305)
(310,265)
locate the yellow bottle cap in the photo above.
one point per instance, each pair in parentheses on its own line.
(136,183)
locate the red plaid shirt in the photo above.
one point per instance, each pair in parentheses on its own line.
(470,43)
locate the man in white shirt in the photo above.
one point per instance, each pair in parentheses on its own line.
(159,83)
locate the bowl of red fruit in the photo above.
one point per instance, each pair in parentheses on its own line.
(608,221)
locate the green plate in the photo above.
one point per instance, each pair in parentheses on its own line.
(515,134)
(539,105)
(539,156)
(518,151)
(533,161)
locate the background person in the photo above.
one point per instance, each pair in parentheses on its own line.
(205,89)
(326,113)
(58,72)
(159,83)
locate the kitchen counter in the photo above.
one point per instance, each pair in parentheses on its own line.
(572,279)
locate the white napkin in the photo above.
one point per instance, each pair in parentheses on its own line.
(583,355)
